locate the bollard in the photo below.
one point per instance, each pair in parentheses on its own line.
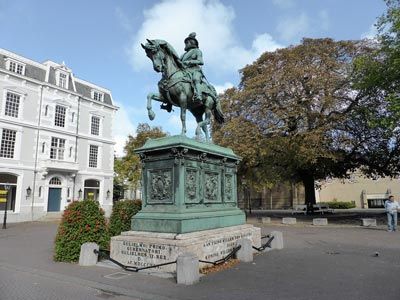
(265,220)
(277,242)
(369,222)
(187,269)
(87,257)
(245,252)
(289,221)
(320,221)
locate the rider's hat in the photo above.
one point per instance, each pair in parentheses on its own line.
(192,37)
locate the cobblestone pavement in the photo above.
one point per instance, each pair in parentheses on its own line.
(335,262)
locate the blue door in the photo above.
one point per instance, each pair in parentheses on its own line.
(54,199)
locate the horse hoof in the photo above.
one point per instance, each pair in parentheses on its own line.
(152,115)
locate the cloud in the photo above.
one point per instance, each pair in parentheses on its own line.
(213,23)
(371,33)
(123,126)
(222,88)
(291,28)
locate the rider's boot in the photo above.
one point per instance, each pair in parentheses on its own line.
(197,94)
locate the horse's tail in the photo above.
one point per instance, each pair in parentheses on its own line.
(217,112)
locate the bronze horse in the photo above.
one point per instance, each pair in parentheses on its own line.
(175,89)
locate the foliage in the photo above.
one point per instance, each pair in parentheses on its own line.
(340,204)
(288,117)
(121,215)
(128,168)
(377,75)
(82,221)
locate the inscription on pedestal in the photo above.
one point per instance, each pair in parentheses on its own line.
(142,254)
(217,248)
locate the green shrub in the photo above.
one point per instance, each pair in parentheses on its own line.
(82,221)
(121,215)
(341,204)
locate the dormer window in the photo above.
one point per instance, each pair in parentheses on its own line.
(62,80)
(98,96)
(15,66)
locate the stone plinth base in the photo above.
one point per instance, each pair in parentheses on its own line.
(141,249)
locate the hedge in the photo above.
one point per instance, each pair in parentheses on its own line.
(341,204)
(82,221)
(121,215)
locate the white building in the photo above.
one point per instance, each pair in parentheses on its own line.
(56,143)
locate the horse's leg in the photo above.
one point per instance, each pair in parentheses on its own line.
(199,119)
(207,119)
(152,96)
(183,104)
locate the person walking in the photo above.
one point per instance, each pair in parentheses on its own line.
(391,208)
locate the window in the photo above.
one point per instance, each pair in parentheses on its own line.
(55,181)
(97,96)
(62,80)
(57,148)
(60,116)
(12,105)
(93,153)
(95,126)
(8,143)
(16,67)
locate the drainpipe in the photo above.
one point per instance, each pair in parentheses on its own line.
(76,143)
(37,150)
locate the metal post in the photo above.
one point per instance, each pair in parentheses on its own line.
(7,188)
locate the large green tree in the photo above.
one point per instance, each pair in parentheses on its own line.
(128,168)
(289,116)
(377,75)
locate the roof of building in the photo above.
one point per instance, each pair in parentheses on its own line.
(47,72)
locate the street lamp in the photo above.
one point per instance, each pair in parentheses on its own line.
(108,194)
(7,188)
(28,192)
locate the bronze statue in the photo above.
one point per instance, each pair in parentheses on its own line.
(183,83)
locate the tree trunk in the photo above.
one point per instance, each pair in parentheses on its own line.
(309,189)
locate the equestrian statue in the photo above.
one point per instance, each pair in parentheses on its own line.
(183,84)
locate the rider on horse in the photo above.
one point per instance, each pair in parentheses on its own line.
(192,59)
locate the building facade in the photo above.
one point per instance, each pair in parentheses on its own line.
(56,143)
(364,192)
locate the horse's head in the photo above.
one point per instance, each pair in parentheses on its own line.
(155,53)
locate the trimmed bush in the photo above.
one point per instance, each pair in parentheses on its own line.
(341,205)
(82,221)
(121,215)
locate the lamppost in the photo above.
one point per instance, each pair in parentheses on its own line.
(7,188)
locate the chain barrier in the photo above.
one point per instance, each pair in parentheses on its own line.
(106,254)
(266,245)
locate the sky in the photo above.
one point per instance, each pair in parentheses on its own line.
(100,40)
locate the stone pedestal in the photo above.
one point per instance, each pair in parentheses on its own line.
(189,205)
(187,186)
(142,249)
